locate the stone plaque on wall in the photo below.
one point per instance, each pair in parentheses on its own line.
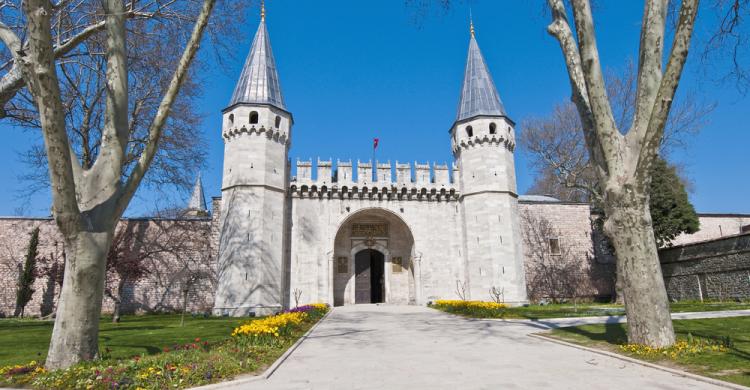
(398,264)
(369,230)
(342,265)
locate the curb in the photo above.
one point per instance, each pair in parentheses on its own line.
(673,371)
(240,380)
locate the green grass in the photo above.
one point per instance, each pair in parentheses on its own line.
(732,365)
(589,310)
(26,340)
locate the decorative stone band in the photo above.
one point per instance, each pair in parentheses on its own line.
(486,140)
(275,135)
(387,193)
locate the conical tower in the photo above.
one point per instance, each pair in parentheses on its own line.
(196,206)
(256,130)
(483,141)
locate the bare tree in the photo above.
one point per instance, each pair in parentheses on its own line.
(729,41)
(558,149)
(622,159)
(87,201)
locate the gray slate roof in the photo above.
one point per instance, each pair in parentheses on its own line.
(478,93)
(259,81)
(197,199)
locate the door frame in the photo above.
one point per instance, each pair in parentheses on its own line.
(378,246)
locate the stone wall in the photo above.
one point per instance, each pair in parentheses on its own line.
(581,243)
(177,250)
(718,269)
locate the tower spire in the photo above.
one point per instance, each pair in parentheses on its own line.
(478,93)
(259,81)
(471,23)
(262,10)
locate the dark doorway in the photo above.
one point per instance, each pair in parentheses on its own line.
(369,266)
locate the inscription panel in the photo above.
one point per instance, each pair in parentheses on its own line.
(369,230)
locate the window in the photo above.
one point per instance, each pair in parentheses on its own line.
(554,246)
(493,128)
(469,131)
(398,264)
(254,117)
(745,229)
(342,265)
(278,121)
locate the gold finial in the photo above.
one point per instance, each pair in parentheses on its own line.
(471,24)
(262,10)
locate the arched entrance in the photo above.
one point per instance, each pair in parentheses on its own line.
(369,278)
(373,260)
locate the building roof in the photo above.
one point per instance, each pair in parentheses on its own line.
(259,81)
(197,199)
(538,198)
(478,93)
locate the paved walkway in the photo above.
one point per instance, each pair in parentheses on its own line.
(411,347)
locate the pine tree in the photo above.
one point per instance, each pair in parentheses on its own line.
(27,276)
(671,211)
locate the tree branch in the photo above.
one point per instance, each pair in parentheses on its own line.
(660,112)
(560,29)
(649,67)
(604,124)
(40,74)
(155,130)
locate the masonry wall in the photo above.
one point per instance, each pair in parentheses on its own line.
(574,225)
(718,269)
(178,250)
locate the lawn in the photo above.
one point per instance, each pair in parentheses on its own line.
(732,365)
(25,340)
(586,310)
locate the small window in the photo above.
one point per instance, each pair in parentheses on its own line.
(554,246)
(278,121)
(254,117)
(469,131)
(493,128)
(398,265)
(342,265)
(745,229)
(231,119)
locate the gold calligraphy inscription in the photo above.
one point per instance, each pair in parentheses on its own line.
(342,265)
(369,230)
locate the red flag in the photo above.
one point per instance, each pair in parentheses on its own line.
(375,143)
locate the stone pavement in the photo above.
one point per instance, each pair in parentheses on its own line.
(412,347)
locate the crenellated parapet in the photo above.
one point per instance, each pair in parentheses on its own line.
(428,182)
(276,135)
(483,140)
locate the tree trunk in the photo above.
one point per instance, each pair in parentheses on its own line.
(75,336)
(118,301)
(628,225)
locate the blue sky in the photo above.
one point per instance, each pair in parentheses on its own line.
(352,71)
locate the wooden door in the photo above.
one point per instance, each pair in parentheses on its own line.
(362,288)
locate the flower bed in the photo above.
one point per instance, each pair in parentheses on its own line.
(682,348)
(471,308)
(250,347)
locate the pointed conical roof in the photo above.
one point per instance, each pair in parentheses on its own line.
(259,81)
(478,93)
(197,199)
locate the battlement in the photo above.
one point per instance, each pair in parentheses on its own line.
(422,182)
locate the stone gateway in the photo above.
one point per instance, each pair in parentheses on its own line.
(359,234)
